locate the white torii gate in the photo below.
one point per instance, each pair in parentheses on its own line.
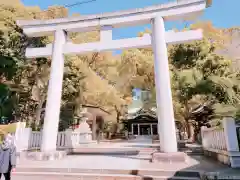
(156,15)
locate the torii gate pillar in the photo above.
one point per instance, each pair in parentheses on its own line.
(166,122)
(54,94)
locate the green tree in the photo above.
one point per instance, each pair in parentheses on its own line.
(30,77)
(201,76)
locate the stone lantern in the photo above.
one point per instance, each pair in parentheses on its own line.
(84,131)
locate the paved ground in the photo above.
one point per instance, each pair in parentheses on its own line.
(123,162)
(15,177)
(197,163)
(127,162)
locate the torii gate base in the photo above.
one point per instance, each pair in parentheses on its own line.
(105,23)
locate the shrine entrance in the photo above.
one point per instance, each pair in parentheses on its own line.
(142,125)
(144,129)
(105,22)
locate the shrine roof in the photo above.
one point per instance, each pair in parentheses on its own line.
(142,112)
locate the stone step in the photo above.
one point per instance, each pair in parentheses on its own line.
(187,151)
(142,172)
(95,176)
(192,151)
(107,150)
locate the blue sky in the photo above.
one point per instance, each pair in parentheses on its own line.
(223,13)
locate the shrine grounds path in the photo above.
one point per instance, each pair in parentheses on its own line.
(111,162)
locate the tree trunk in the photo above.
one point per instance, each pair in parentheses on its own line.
(78,103)
(197,131)
(187,128)
(191,128)
(38,112)
(118,115)
(94,128)
(187,120)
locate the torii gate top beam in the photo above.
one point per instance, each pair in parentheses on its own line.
(184,9)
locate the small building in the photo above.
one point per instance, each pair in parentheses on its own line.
(142,122)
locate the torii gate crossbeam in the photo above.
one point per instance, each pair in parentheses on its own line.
(156,15)
(137,42)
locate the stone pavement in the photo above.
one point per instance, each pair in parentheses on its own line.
(111,161)
(74,163)
(120,162)
(103,162)
(17,177)
(63,177)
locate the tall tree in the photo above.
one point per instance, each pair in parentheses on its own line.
(199,72)
(31,76)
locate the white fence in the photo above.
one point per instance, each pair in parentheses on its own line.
(35,140)
(61,140)
(222,143)
(214,138)
(31,140)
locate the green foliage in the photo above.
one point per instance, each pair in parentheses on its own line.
(27,80)
(203,79)
(200,77)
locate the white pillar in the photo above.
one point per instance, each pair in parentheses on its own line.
(151,129)
(54,94)
(166,122)
(138,129)
(203,134)
(230,132)
(106,34)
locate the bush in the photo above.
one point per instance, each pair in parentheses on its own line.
(4,129)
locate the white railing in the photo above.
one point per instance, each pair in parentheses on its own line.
(214,138)
(238,134)
(62,140)
(222,143)
(35,140)
(75,138)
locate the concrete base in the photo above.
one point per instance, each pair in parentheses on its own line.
(104,151)
(91,144)
(168,157)
(46,156)
(228,158)
(180,144)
